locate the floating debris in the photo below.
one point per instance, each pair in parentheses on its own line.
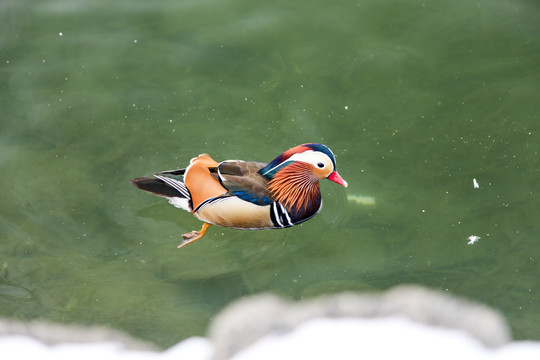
(473,239)
(361,199)
(475,183)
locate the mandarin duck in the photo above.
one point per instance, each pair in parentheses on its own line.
(247,194)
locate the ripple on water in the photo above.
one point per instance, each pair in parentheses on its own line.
(15,292)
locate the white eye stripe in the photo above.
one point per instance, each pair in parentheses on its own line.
(313,157)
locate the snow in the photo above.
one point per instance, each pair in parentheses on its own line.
(316,339)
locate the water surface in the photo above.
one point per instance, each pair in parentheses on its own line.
(416,99)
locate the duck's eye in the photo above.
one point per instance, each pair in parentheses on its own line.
(320,165)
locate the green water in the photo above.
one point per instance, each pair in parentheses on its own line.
(416,99)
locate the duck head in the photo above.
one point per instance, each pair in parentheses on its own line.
(294,175)
(316,159)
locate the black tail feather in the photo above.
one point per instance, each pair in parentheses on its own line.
(156,187)
(174,172)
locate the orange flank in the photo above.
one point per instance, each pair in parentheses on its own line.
(200,182)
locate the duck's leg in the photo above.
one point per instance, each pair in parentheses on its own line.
(194,235)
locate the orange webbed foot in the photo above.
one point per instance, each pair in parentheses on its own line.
(194,235)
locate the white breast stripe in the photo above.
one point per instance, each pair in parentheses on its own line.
(175,184)
(286,216)
(276,214)
(281,215)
